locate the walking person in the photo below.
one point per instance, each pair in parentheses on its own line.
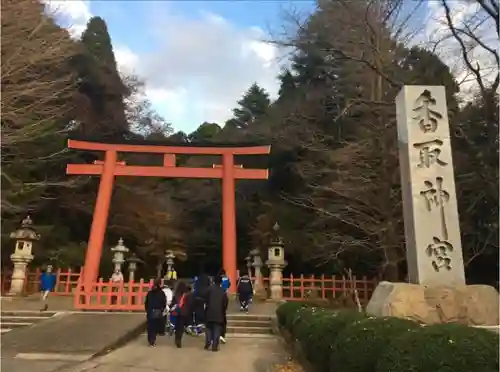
(47,285)
(181,311)
(169,295)
(225,283)
(155,305)
(200,290)
(117,281)
(215,313)
(245,292)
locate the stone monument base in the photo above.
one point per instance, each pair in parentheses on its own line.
(471,304)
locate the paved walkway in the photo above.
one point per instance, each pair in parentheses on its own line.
(242,355)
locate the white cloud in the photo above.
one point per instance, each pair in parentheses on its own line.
(463,14)
(200,68)
(126,60)
(205,65)
(71,14)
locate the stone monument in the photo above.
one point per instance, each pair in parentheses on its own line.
(119,251)
(437,292)
(22,256)
(276,263)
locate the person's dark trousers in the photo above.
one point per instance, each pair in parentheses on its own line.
(163,326)
(199,311)
(212,335)
(244,300)
(179,330)
(224,327)
(153,326)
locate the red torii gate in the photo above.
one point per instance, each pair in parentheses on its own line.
(111,167)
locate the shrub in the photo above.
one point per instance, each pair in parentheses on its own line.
(304,319)
(323,332)
(286,311)
(359,345)
(442,348)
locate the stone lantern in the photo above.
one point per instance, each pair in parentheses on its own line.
(258,285)
(169,259)
(22,256)
(276,263)
(119,255)
(132,266)
(248,261)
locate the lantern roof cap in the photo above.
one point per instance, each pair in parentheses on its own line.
(120,247)
(26,231)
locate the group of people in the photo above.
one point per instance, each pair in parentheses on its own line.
(196,308)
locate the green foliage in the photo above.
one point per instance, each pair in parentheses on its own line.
(101,83)
(325,334)
(360,344)
(442,348)
(286,310)
(315,328)
(252,106)
(205,132)
(348,341)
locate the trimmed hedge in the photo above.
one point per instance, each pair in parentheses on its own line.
(315,328)
(286,311)
(442,348)
(348,341)
(359,345)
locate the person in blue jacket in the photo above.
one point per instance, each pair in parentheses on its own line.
(225,281)
(47,285)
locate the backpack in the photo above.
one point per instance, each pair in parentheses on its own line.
(180,306)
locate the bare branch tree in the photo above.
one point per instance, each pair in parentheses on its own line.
(473,29)
(38,90)
(37,84)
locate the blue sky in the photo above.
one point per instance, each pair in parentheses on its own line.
(196,57)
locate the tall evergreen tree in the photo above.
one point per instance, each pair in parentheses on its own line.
(252,106)
(100,83)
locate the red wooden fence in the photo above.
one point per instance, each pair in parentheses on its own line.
(327,287)
(66,281)
(129,296)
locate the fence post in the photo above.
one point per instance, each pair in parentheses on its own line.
(323,294)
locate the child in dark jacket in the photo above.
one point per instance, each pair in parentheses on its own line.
(245,292)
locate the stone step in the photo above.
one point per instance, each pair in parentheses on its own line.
(249,323)
(44,314)
(14,324)
(249,330)
(249,335)
(21,319)
(248,317)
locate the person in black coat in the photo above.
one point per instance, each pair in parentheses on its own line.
(155,305)
(199,299)
(215,314)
